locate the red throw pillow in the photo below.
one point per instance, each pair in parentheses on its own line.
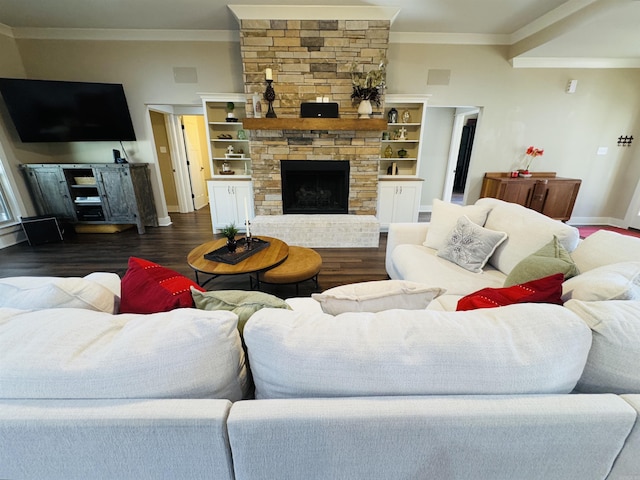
(542,290)
(150,288)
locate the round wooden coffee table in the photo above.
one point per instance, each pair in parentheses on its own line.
(276,252)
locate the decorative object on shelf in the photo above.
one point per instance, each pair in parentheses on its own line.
(388,152)
(368,87)
(231,117)
(270,94)
(531,153)
(257,106)
(385,135)
(406,116)
(226,167)
(230,232)
(403,134)
(392,116)
(230,150)
(241,135)
(365,109)
(402,153)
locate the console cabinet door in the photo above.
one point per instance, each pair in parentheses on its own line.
(118,197)
(50,191)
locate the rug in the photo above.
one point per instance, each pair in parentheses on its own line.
(587,230)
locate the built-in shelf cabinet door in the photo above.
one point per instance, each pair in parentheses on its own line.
(227,200)
(398,202)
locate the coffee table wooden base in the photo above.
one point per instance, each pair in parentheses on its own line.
(269,257)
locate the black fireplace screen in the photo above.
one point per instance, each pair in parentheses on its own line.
(315,186)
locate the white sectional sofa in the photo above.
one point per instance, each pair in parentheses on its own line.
(524,391)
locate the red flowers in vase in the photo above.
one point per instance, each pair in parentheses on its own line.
(531,153)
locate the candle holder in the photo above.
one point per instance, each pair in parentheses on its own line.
(248,239)
(270,96)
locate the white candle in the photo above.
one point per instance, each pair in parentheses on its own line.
(268,74)
(246,215)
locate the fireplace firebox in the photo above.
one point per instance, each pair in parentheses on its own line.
(315,186)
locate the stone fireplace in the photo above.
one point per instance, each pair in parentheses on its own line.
(311,57)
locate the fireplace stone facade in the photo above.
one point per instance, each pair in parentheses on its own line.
(310,59)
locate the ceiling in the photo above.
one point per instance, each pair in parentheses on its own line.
(539,33)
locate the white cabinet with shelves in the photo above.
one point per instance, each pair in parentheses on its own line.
(229,147)
(227,199)
(401,146)
(398,201)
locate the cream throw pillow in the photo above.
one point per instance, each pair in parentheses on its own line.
(377,296)
(34,293)
(619,281)
(444,217)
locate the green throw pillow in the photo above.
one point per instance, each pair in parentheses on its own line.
(242,303)
(550,259)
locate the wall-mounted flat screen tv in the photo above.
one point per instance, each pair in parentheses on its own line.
(56,111)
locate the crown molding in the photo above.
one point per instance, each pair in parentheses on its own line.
(313,12)
(574,62)
(449,38)
(126,34)
(6,30)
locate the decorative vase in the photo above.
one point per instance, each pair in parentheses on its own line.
(365,109)
(231,244)
(392,116)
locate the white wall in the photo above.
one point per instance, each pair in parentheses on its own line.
(521,107)
(435,153)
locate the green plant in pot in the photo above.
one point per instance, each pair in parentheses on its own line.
(231,117)
(230,232)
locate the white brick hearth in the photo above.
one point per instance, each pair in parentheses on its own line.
(320,231)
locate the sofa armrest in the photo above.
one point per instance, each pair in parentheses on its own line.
(402,233)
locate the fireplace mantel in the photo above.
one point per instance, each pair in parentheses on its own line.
(363,124)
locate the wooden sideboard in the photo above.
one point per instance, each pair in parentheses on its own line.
(543,192)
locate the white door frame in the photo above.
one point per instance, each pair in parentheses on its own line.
(179,165)
(632,218)
(460,118)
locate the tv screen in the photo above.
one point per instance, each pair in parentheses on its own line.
(55,111)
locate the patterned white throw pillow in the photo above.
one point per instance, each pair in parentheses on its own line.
(470,246)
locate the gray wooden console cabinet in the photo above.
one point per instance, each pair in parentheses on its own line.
(93,193)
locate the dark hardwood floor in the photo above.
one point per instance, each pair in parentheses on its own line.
(83,253)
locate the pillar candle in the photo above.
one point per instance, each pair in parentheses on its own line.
(268,74)
(246,215)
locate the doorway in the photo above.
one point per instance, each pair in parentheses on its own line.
(181,149)
(462,137)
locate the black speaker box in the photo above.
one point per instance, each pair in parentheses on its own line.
(319,110)
(43,229)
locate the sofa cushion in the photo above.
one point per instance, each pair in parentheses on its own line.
(618,281)
(527,348)
(542,290)
(527,231)
(444,216)
(612,366)
(421,264)
(550,259)
(150,288)
(241,302)
(376,296)
(72,353)
(604,248)
(470,245)
(32,293)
